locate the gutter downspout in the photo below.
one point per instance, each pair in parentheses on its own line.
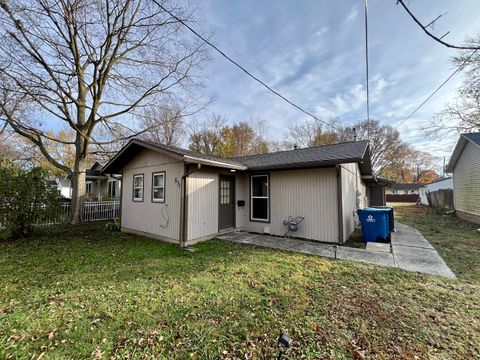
(339,203)
(183,205)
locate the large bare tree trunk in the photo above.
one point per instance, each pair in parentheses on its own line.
(78,183)
(91,65)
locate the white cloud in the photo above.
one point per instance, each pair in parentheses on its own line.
(323,30)
(352,14)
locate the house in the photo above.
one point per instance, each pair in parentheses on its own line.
(184,197)
(440,184)
(464,164)
(403,192)
(98,185)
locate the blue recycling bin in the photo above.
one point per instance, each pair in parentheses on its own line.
(391,219)
(375,224)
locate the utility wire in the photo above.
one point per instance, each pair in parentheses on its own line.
(366,58)
(269,88)
(366,65)
(460,67)
(437,39)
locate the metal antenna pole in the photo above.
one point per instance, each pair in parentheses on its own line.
(366,67)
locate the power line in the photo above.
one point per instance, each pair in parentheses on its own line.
(437,39)
(269,88)
(366,63)
(437,89)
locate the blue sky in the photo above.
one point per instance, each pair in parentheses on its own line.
(313,52)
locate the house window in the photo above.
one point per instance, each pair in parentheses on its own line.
(158,187)
(112,187)
(224,192)
(138,187)
(88,188)
(259,198)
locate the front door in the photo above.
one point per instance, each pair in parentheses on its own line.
(226,207)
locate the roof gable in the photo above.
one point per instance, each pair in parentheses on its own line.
(473,138)
(135,146)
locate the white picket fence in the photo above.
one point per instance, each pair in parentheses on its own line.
(92,211)
(101,210)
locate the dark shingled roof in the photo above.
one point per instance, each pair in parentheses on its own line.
(474,137)
(312,156)
(299,158)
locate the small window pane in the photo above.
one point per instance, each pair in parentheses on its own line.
(260,209)
(158,180)
(138,181)
(259,186)
(138,193)
(158,193)
(224,192)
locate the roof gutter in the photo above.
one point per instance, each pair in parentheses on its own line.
(198,160)
(183,205)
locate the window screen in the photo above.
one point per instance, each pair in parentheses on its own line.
(259,198)
(158,187)
(138,187)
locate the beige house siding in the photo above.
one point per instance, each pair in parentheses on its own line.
(241,193)
(354,196)
(202,190)
(159,219)
(309,193)
(466,180)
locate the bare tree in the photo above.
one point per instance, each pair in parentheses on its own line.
(312,133)
(463,114)
(207,136)
(166,125)
(90,65)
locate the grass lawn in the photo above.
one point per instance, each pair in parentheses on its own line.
(80,292)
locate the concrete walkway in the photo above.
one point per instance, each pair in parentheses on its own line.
(409,250)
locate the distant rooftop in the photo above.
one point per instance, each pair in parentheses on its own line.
(406,186)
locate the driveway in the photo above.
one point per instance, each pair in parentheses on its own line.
(409,250)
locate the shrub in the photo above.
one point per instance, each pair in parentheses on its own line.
(113,226)
(25,199)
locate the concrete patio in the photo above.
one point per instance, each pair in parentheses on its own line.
(409,250)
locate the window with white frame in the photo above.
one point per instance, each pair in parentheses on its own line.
(88,188)
(138,187)
(259,198)
(112,188)
(158,187)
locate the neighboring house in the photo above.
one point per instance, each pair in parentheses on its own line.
(465,166)
(440,184)
(98,185)
(403,192)
(64,187)
(183,197)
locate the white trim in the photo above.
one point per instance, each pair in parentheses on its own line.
(260,197)
(138,187)
(114,188)
(86,185)
(162,186)
(215,163)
